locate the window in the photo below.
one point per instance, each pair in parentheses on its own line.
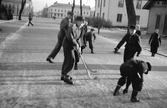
(119,17)
(103,15)
(61,10)
(84,12)
(157,22)
(58,10)
(137,19)
(55,10)
(139,4)
(88,13)
(104,3)
(120,3)
(51,10)
(64,10)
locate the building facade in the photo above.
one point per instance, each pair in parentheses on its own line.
(59,10)
(115,11)
(14,6)
(157,16)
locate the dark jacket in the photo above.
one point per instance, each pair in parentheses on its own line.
(64,26)
(155,40)
(138,67)
(89,36)
(132,42)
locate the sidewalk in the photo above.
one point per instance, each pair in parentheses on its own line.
(8,27)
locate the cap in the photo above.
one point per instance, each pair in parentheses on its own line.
(149,66)
(79,18)
(132,27)
(92,29)
(69,13)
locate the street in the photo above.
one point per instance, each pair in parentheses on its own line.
(28,81)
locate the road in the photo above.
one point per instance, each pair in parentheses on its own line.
(28,81)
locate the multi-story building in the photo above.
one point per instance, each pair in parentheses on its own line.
(157,16)
(59,10)
(15,6)
(115,11)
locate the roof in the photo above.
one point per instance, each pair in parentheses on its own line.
(150,3)
(69,5)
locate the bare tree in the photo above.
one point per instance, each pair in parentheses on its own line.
(81,7)
(22,8)
(131,13)
(73,10)
(0,11)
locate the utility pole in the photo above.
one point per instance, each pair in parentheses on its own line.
(100,8)
(81,7)
(73,10)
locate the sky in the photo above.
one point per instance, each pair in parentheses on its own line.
(40,4)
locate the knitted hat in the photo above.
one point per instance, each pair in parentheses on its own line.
(149,67)
(132,27)
(92,29)
(69,13)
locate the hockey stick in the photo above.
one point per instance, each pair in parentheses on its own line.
(93,71)
(87,70)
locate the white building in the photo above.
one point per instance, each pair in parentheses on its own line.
(15,6)
(115,11)
(59,10)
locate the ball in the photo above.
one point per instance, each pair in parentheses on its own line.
(95,77)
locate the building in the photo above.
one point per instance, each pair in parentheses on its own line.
(157,16)
(115,11)
(15,6)
(59,10)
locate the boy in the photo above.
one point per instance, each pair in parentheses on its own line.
(71,43)
(132,72)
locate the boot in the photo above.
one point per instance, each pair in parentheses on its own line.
(68,80)
(76,66)
(153,54)
(134,96)
(63,77)
(116,91)
(92,52)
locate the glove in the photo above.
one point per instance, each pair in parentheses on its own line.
(78,49)
(115,50)
(125,91)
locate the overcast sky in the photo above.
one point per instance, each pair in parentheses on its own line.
(40,4)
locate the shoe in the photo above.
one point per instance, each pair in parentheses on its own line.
(135,100)
(49,60)
(92,52)
(68,80)
(76,68)
(116,91)
(62,77)
(134,97)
